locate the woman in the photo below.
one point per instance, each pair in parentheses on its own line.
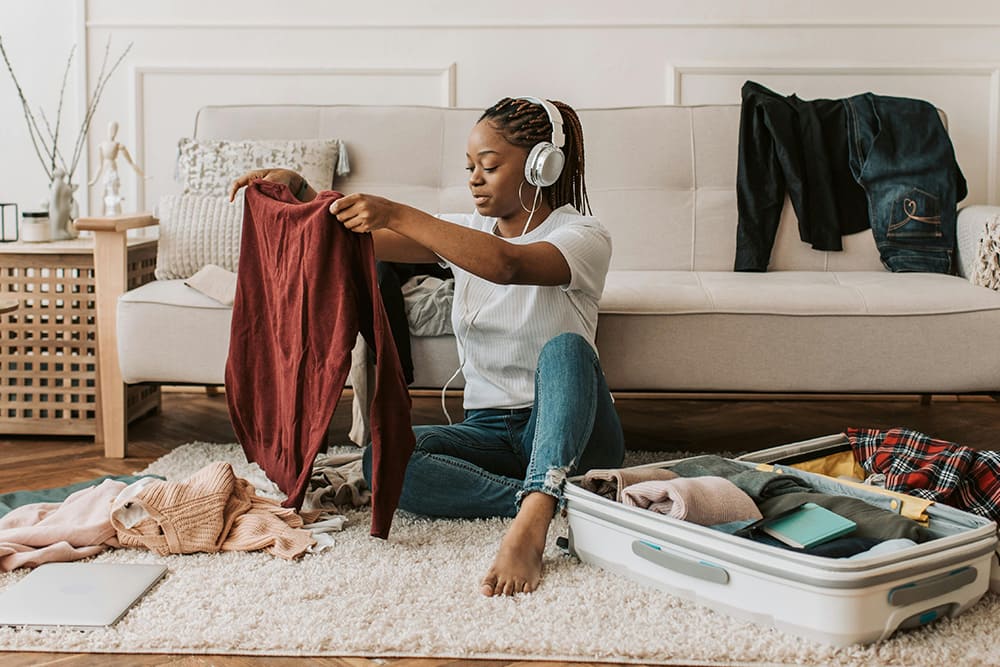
(529,270)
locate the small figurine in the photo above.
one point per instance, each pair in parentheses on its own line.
(109,151)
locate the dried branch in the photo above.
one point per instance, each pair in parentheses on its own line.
(52,136)
(33,132)
(62,92)
(102,81)
(91,104)
(48,155)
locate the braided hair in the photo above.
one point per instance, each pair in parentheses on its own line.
(524,123)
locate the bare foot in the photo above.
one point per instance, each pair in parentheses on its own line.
(517,567)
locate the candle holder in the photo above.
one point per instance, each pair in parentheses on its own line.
(5,237)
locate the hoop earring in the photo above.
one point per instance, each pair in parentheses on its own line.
(534,201)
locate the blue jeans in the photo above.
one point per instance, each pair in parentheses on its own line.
(901,155)
(483,466)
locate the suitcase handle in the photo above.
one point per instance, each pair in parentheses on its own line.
(931,587)
(693,568)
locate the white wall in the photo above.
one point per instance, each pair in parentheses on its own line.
(38,36)
(452,52)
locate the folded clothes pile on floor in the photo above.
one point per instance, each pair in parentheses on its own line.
(211,511)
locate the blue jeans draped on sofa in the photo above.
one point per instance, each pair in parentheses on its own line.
(902,156)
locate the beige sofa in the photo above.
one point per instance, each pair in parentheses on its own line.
(674,316)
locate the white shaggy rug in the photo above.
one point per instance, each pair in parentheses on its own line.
(417,595)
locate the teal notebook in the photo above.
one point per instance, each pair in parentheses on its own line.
(808,526)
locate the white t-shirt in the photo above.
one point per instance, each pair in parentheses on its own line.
(500,329)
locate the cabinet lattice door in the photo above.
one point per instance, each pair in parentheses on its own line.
(48,359)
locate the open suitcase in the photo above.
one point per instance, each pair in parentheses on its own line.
(833,600)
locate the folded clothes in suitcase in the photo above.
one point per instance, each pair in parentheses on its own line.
(840,601)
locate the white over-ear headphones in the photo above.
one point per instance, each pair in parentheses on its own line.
(545,160)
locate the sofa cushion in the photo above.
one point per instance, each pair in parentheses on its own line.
(169,332)
(210,166)
(196,230)
(801,293)
(688,331)
(795,332)
(436,359)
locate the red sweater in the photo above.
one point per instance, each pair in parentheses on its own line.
(305,288)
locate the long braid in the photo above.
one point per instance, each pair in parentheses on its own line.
(524,123)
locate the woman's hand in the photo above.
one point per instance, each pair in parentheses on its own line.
(362,213)
(283,176)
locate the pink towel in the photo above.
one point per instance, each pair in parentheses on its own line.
(705,501)
(76,528)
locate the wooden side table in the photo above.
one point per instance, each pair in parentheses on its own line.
(48,340)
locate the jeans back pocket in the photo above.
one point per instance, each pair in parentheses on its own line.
(915,216)
(905,260)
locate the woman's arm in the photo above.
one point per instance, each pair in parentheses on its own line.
(393,247)
(480,253)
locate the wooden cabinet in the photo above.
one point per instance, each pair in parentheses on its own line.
(48,359)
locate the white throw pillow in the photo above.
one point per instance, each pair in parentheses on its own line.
(196,230)
(209,166)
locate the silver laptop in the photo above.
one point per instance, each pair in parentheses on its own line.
(82,595)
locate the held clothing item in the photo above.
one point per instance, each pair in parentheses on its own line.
(800,147)
(902,156)
(306,286)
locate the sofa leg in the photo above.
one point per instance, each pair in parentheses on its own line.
(925,399)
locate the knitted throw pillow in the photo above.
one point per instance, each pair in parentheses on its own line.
(986,268)
(209,166)
(196,230)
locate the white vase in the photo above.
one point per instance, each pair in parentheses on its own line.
(61,207)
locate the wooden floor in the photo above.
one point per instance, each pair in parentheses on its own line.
(658,423)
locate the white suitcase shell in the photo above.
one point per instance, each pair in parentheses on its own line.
(832,600)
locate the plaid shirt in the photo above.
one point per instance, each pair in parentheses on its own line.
(937,470)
